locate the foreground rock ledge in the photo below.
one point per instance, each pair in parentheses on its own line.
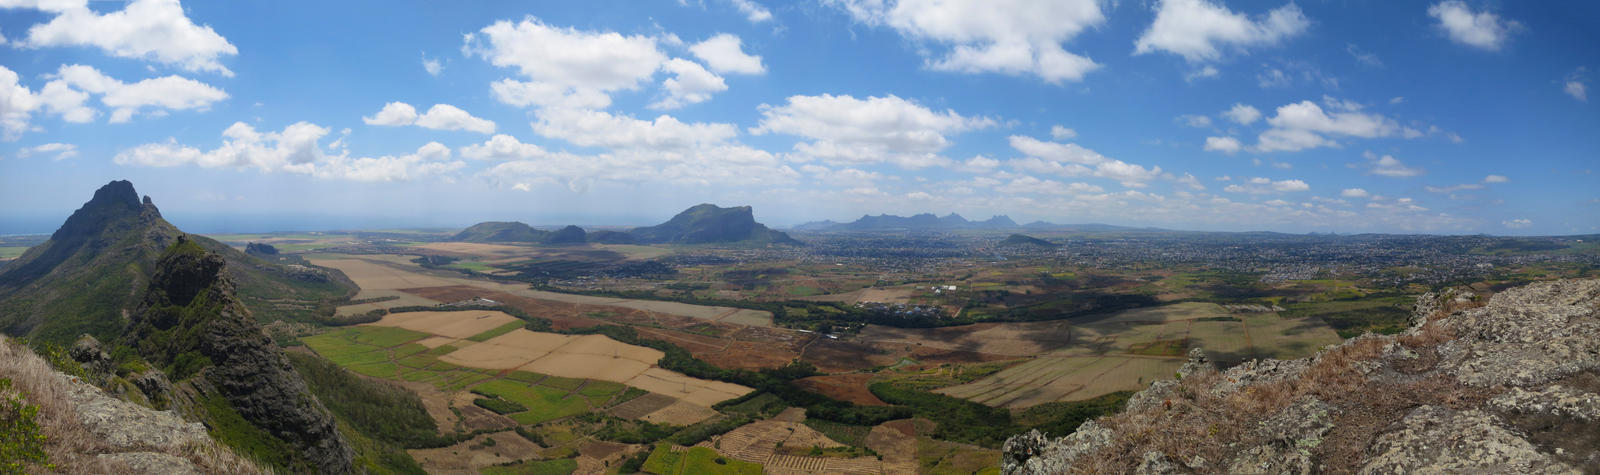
(1509,384)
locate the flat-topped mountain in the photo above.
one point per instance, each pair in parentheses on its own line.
(708,223)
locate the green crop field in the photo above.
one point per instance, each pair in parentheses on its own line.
(534,467)
(546,403)
(696,461)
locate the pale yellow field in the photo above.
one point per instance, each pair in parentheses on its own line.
(590,357)
(899,295)
(697,391)
(474,248)
(381,275)
(449,324)
(680,413)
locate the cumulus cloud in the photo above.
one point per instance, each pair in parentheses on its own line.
(1354,193)
(724,53)
(56,151)
(502,147)
(1495,179)
(563,66)
(152,30)
(690,84)
(432,65)
(1062,133)
(1304,125)
(1260,185)
(1073,160)
(1482,30)
(438,117)
(69,89)
(1242,114)
(1389,166)
(1453,188)
(1016,37)
(752,11)
(293,150)
(1199,30)
(844,129)
(17,104)
(1228,145)
(590,128)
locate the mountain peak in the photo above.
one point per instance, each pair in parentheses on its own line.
(115,193)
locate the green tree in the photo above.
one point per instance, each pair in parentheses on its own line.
(21,443)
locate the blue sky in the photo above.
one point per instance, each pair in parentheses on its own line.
(1349,116)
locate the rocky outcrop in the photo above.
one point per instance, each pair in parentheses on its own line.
(1508,384)
(190,314)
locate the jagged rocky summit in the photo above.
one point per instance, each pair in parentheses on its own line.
(1508,384)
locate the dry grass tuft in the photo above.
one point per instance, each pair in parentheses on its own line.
(72,447)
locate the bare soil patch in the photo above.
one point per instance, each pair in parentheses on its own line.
(844,387)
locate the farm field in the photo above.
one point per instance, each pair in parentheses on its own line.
(389,275)
(1129,350)
(551,375)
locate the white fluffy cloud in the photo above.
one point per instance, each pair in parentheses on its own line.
(1260,185)
(1389,166)
(17,104)
(752,11)
(432,66)
(1483,30)
(564,66)
(294,150)
(153,30)
(1495,179)
(57,151)
(1197,30)
(1304,125)
(1228,145)
(724,53)
(1517,223)
(1014,37)
(690,84)
(438,117)
(844,129)
(1354,193)
(70,88)
(1062,133)
(1073,160)
(601,129)
(502,147)
(1242,114)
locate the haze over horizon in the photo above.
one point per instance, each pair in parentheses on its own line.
(1441,117)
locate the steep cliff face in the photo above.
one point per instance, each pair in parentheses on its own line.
(190,322)
(1511,385)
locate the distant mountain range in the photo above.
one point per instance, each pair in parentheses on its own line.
(949,222)
(700,224)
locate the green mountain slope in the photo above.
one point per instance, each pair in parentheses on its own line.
(89,275)
(708,223)
(501,231)
(190,324)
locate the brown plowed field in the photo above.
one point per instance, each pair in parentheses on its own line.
(844,387)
